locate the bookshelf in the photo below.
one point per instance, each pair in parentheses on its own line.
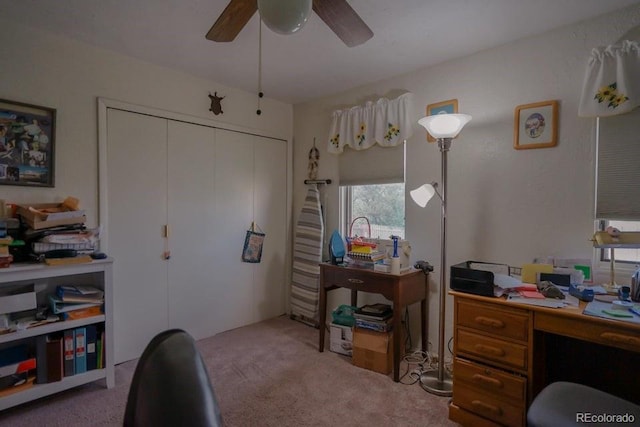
(45,278)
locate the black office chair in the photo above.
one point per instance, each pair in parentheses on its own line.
(568,404)
(171,386)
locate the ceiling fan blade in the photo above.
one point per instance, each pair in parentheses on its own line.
(343,20)
(233,19)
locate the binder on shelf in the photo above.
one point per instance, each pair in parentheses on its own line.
(55,360)
(70,293)
(80,350)
(58,306)
(69,353)
(41,360)
(91,341)
(82,313)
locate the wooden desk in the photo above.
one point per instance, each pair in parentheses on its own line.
(402,290)
(505,353)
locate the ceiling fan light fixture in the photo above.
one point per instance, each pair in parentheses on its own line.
(284,16)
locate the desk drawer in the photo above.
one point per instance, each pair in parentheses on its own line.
(501,321)
(486,405)
(590,329)
(491,349)
(492,380)
(358,280)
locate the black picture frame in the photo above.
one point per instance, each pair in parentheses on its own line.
(27,144)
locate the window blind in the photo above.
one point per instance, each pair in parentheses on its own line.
(376,165)
(618,167)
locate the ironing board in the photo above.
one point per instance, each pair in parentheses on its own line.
(307,255)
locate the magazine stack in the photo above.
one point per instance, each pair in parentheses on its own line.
(375,317)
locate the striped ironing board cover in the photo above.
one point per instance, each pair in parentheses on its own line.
(307,254)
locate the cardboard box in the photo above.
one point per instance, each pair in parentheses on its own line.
(373,350)
(61,216)
(341,339)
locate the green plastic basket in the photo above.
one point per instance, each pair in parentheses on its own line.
(343,315)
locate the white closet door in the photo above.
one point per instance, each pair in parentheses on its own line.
(232,216)
(193,302)
(136,213)
(270,205)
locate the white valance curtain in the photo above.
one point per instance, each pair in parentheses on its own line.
(384,122)
(612,82)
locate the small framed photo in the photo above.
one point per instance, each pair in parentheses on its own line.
(27,135)
(444,107)
(536,125)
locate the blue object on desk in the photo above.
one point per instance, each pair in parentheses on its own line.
(582,294)
(635,310)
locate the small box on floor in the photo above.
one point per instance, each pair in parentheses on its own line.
(373,350)
(341,339)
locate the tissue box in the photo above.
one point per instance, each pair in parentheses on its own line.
(17,298)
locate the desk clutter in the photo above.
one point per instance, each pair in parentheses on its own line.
(548,285)
(391,255)
(365,334)
(54,233)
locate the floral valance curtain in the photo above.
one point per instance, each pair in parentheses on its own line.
(384,122)
(612,82)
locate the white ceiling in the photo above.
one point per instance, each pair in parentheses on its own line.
(408,35)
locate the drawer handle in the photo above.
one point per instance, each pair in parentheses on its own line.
(487,321)
(355,281)
(619,338)
(479,404)
(487,349)
(487,380)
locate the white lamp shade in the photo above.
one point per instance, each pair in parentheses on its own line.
(444,125)
(423,194)
(284,16)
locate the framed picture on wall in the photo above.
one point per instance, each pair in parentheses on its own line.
(27,135)
(536,125)
(444,107)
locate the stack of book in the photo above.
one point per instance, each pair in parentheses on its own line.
(76,302)
(375,317)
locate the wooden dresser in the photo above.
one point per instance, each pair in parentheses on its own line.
(505,353)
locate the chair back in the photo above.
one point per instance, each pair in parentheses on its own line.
(171,386)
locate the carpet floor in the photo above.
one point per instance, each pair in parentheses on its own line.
(266,374)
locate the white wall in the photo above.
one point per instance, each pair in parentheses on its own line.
(47,70)
(504,205)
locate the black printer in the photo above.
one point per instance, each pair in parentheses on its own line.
(471,277)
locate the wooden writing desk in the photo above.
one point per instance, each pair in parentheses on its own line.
(402,290)
(505,353)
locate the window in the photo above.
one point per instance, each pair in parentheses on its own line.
(381,204)
(631,256)
(617,177)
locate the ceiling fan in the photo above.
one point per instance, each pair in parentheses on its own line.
(337,14)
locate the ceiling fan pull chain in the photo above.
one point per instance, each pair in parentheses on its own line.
(260,94)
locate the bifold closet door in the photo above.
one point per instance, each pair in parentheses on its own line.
(136,213)
(194,300)
(232,215)
(270,207)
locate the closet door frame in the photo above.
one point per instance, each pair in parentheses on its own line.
(104,104)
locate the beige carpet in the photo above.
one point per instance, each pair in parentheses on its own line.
(266,374)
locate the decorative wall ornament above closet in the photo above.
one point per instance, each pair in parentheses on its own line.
(384,122)
(611,84)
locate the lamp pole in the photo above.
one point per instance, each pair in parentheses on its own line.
(438,382)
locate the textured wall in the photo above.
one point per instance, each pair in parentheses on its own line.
(43,69)
(504,205)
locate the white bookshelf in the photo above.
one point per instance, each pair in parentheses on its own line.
(45,278)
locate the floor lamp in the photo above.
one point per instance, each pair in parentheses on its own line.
(443,127)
